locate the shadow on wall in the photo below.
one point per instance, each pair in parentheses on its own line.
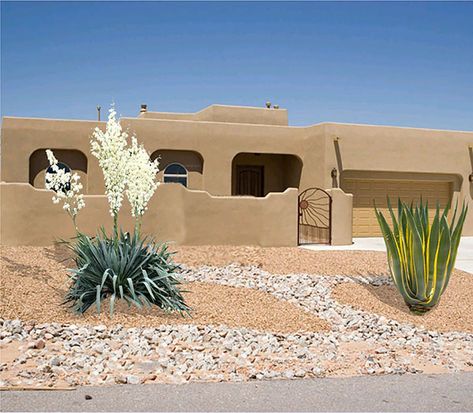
(74,159)
(191,160)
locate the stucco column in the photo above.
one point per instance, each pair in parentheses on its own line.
(342,217)
(217,176)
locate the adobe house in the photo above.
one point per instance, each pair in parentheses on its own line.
(237,175)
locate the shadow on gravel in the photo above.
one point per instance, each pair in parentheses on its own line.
(388,294)
(59,253)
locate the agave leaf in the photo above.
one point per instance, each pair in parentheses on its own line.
(456,235)
(417,257)
(441,274)
(432,251)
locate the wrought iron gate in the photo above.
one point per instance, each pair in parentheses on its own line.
(315,217)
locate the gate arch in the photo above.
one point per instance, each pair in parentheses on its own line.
(315,217)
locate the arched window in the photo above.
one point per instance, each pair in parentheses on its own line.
(66,169)
(175,172)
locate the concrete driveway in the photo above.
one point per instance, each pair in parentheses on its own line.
(422,393)
(464,258)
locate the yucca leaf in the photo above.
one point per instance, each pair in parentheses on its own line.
(112,304)
(117,265)
(98,299)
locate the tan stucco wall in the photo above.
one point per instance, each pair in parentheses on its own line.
(21,137)
(217,143)
(342,217)
(364,150)
(28,217)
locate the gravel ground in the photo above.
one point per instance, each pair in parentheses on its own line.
(453,313)
(286,260)
(35,292)
(358,342)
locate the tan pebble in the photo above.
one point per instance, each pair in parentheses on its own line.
(38,344)
(150,377)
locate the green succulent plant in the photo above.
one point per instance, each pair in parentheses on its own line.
(421,254)
(126,267)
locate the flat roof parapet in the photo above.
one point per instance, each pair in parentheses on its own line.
(226,114)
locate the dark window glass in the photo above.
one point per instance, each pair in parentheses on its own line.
(175,169)
(177,179)
(175,173)
(66,168)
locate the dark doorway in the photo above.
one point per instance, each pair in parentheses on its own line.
(250,180)
(281,171)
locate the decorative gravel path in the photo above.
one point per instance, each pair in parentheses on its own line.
(358,343)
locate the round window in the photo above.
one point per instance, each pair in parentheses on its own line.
(176,173)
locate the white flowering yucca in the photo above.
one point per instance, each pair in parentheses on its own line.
(109,148)
(126,169)
(121,266)
(141,178)
(66,187)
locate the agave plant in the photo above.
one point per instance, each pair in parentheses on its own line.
(126,267)
(421,255)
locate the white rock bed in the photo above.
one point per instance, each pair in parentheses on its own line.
(358,343)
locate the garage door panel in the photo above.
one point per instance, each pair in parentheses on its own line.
(367,192)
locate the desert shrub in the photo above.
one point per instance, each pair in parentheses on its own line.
(122,266)
(421,254)
(136,270)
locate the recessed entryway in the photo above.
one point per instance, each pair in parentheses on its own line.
(257,174)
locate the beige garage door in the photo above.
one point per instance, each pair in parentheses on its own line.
(365,192)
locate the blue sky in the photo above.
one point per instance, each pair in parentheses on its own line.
(406,64)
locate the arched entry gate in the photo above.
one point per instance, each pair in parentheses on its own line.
(315,217)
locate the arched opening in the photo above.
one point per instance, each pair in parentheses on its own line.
(75,160)
(191,161)
(258,174)
(175,173)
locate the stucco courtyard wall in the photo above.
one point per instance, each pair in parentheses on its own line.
(342,217)
(175,213)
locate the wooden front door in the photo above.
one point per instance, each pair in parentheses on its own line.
(250,180)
